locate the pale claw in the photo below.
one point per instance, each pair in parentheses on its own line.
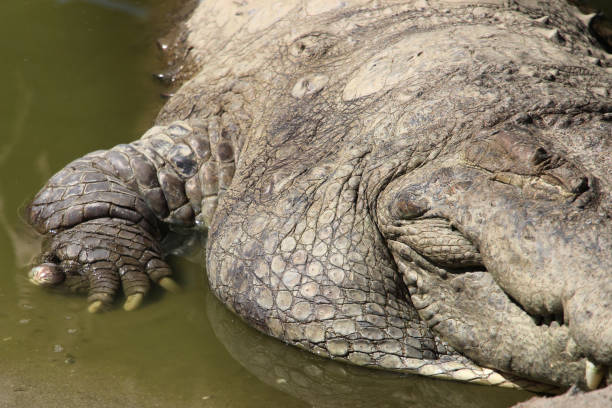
(46,274)
(132,302)
(169,284)
(593,375)
(95,306)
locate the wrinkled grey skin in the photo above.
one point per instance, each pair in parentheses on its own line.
(419,186)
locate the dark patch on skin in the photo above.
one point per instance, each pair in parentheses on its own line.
(183,160)
(145,173)
(156,200)
(225,152)
(172,187)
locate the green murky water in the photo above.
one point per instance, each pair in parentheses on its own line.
(76,78)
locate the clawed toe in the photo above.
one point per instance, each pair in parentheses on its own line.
(169,284)
(46,274)
(95,306)
(133,302)
(96,258)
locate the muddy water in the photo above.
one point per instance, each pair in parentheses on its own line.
(76,77)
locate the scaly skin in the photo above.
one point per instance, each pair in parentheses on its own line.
(415,186)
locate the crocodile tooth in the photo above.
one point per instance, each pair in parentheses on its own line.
(587,19)
(593,374)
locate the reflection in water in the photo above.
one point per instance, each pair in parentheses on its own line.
(325,383)
(121,6)
(26,245)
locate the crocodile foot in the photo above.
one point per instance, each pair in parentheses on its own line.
(100,256)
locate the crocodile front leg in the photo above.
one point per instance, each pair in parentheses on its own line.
(103,213)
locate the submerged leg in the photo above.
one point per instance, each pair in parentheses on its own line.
(103,213)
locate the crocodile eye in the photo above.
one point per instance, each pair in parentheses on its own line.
(507,151)
(518,159)
(409,209)
(312,45)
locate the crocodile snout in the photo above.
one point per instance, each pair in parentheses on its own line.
(555,261)
(589,313)
(573,257)
(541,268)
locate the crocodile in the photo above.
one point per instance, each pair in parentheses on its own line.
(418,186)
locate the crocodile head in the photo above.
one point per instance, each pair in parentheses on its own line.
(506,248)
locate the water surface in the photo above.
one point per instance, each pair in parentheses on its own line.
(77,77)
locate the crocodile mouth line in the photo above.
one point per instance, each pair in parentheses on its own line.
(595,374)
